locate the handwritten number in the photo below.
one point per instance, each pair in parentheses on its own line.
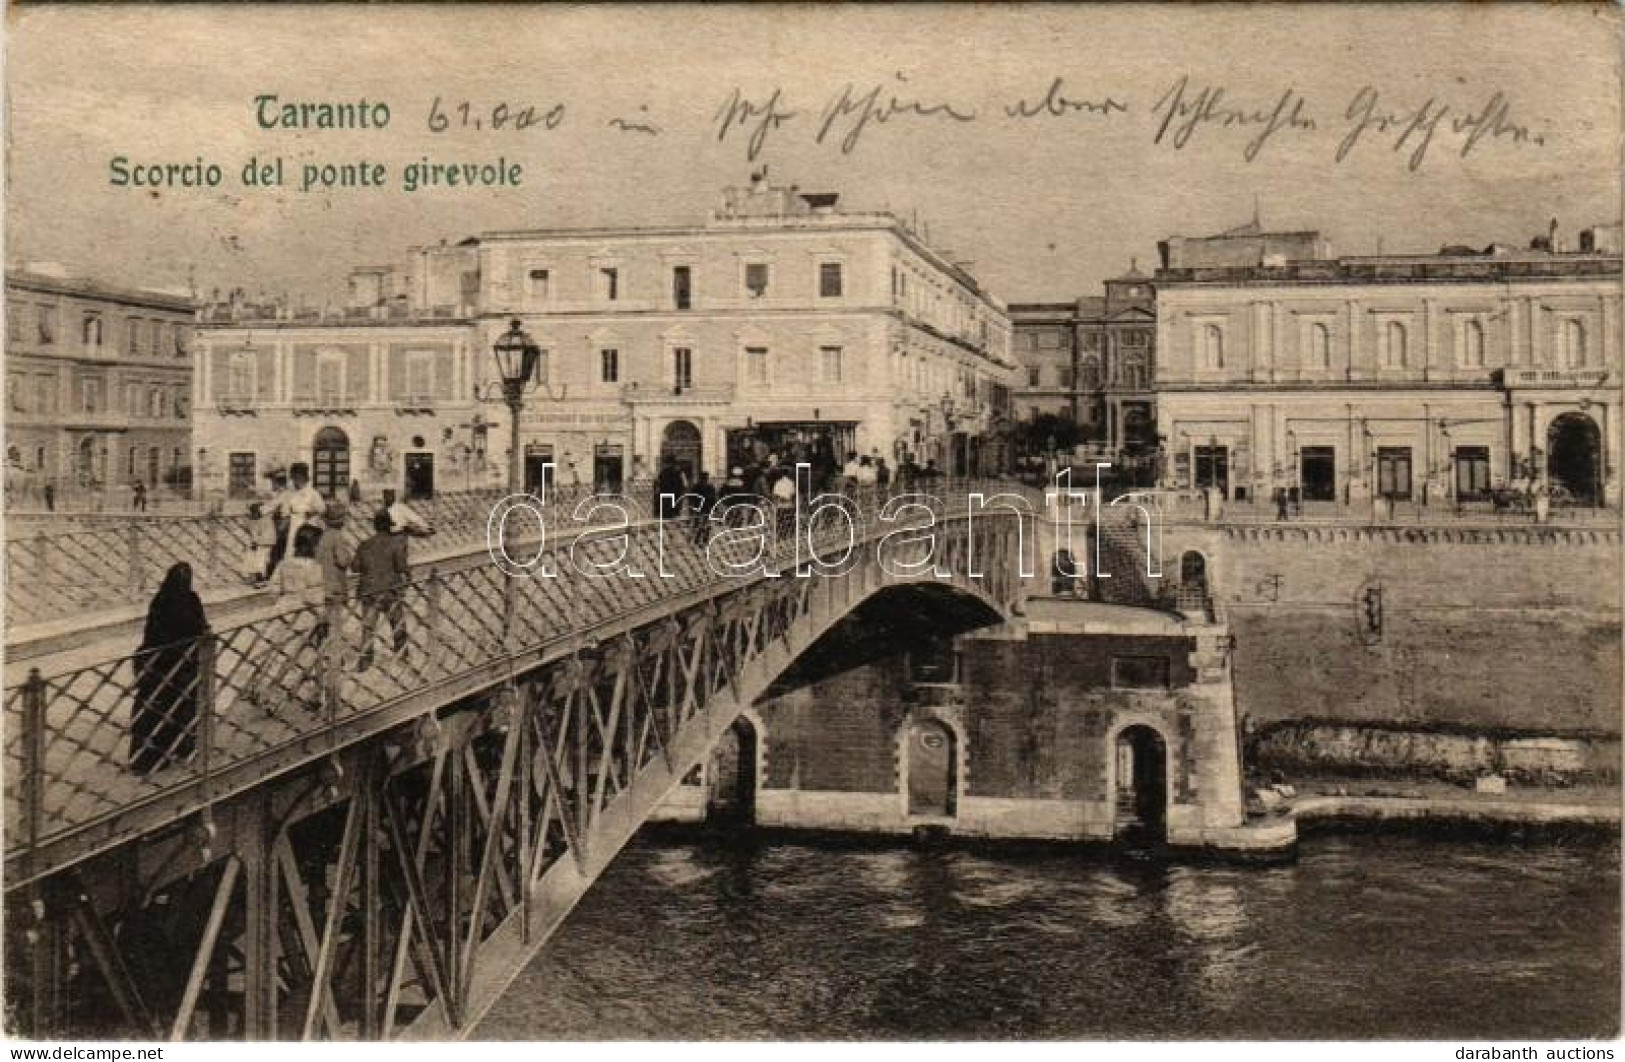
(437,119)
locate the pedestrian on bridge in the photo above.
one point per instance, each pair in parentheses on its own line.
(299,584)
(163,722)
(382,565)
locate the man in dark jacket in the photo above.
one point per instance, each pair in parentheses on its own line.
(669,489)
(381,563)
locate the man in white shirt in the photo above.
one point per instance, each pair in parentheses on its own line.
(302,504)
(403,520)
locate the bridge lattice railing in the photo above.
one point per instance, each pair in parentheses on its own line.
(59,576)
(75,755)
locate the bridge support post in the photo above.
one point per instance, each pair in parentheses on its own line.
(48,936)
(260,905)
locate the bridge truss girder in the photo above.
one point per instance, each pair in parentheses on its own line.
(394,888)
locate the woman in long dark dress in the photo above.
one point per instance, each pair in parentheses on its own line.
(163,725)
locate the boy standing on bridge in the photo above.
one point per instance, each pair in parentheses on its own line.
(381,562)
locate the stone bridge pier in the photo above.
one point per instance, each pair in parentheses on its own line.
(1102,709)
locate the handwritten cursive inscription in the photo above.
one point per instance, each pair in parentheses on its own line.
(760,118)
(1417,128)
(858,109)
(1058,104)
(1184,113)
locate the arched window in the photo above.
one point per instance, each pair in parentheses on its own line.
(1090,376)
(1320,346)
(1394,350)
(1212,347)
(1573,344)
(1472,345)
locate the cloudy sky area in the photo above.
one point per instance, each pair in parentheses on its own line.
(1045,207)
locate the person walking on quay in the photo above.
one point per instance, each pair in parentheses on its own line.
(882,475)
(1281,512)
(138,497)
(163,723)
(50,496)
(669,489)
(355,492)
(706,492)
(381,563)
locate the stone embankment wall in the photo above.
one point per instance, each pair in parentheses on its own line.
(1487,637)
(1294,748)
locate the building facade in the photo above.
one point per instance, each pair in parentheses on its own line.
(98,384)
(780,326)
(378,390)
(1091,362)
(1432,378)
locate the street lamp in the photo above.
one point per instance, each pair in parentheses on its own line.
(516,358)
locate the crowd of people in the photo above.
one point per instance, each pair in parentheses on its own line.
(302,552)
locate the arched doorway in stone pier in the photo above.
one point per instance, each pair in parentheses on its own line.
(1142,784)
(1574,457)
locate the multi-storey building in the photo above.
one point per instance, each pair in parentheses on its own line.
(378,390)
(98,383)
(780,326)
(1431,377)
(1091,362)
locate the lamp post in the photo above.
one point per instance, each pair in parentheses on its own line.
(516,358)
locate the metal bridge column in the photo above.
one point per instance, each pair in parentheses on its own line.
(257,833)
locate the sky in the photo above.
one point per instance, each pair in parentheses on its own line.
(1167,138)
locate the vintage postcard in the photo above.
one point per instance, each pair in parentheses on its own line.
(791,522)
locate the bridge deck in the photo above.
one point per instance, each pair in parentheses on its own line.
(268,690)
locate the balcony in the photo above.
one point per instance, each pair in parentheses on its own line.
(237,405)
(667,394)
(323,403)
(408,404)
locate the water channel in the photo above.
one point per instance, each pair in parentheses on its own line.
(1365,935)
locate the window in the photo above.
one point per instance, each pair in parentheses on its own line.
(180,403)
(1065,372)
(682,367)
(90,394)
(1049,339)
(91,331)
(1136,338)
(240,474)
(330,378)
(241,375)
(45,388)
(1393,352)
(1212,347)
(682,292)
(830,362)
(609,365)
(1140,672)
(1472,471)
(1032,375)
(756,365)
(45,325)
(1394,472)
(14,392)
(155,403)
(39,458)
(130,465)
(609,283)
(419,376)
(829,280)
(180,341)
(14,325)
(1572,345)
(1472,345)
(1090,380)
(1091,341)
(134,336)
(1320,346)
(537,284)
(756,277)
